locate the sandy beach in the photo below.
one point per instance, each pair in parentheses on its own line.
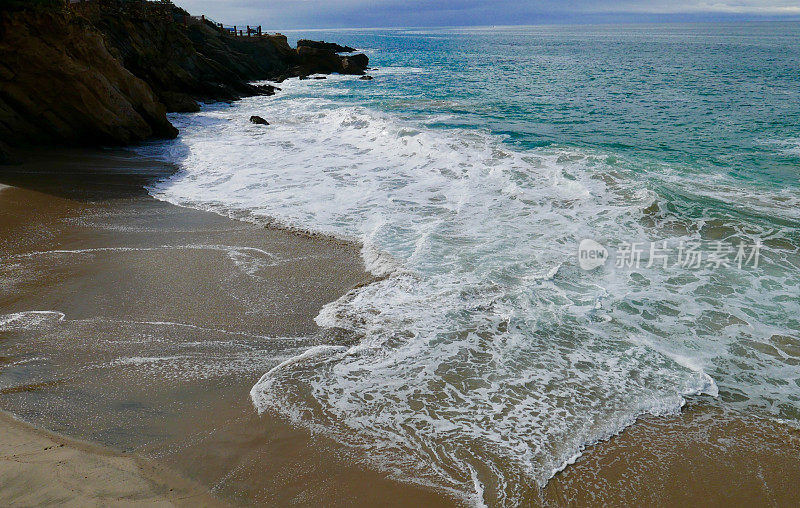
(170,316)
(141,327)
(537,254)
(40,468)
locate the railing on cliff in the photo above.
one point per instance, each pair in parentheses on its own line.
(234,30)
(165,9)
(242,31)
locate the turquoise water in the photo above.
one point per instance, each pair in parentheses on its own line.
(714,98)
(471,169)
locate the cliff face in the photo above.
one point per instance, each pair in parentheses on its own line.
(183,64)
(202,62)
(60,84)
(107,72)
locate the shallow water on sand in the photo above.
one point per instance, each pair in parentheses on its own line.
(142,326)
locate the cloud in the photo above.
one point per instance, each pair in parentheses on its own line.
(284,14)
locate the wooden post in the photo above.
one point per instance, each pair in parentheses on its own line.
(248,30)
(234,31)
(259,30)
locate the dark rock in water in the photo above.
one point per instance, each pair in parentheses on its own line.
(266,89)
(313,61)
(323,61)
(360,61)
(330,46)
(366,77)
(320,77)
(258,120)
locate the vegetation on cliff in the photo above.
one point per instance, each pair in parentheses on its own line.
(39,5)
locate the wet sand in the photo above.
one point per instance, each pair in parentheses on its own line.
(705,456)
(170,316)
(142,326)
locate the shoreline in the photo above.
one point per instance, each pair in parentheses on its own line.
(167,376)
(156,357)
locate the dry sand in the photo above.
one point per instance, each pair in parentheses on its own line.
(39,468)
(158,320)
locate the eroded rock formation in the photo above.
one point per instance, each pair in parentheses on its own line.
(107,73)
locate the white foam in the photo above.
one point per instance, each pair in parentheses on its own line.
(788,146)
(142,360)
(484,359)
(30,319)
(250,260)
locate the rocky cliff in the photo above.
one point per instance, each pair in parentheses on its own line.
(106,71)
(183,64)
(332,46)
(60,84)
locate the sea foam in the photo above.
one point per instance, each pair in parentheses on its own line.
(483,359)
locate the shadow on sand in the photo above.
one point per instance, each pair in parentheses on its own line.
(87,174)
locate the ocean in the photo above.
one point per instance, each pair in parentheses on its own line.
(570,227)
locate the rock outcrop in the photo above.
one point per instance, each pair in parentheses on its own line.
(107,71)
(183,64)
(6,155)
(201,61)
(60,84)
(359,61)
(325,61)
(330,46)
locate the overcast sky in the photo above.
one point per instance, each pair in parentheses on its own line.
(287,14)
